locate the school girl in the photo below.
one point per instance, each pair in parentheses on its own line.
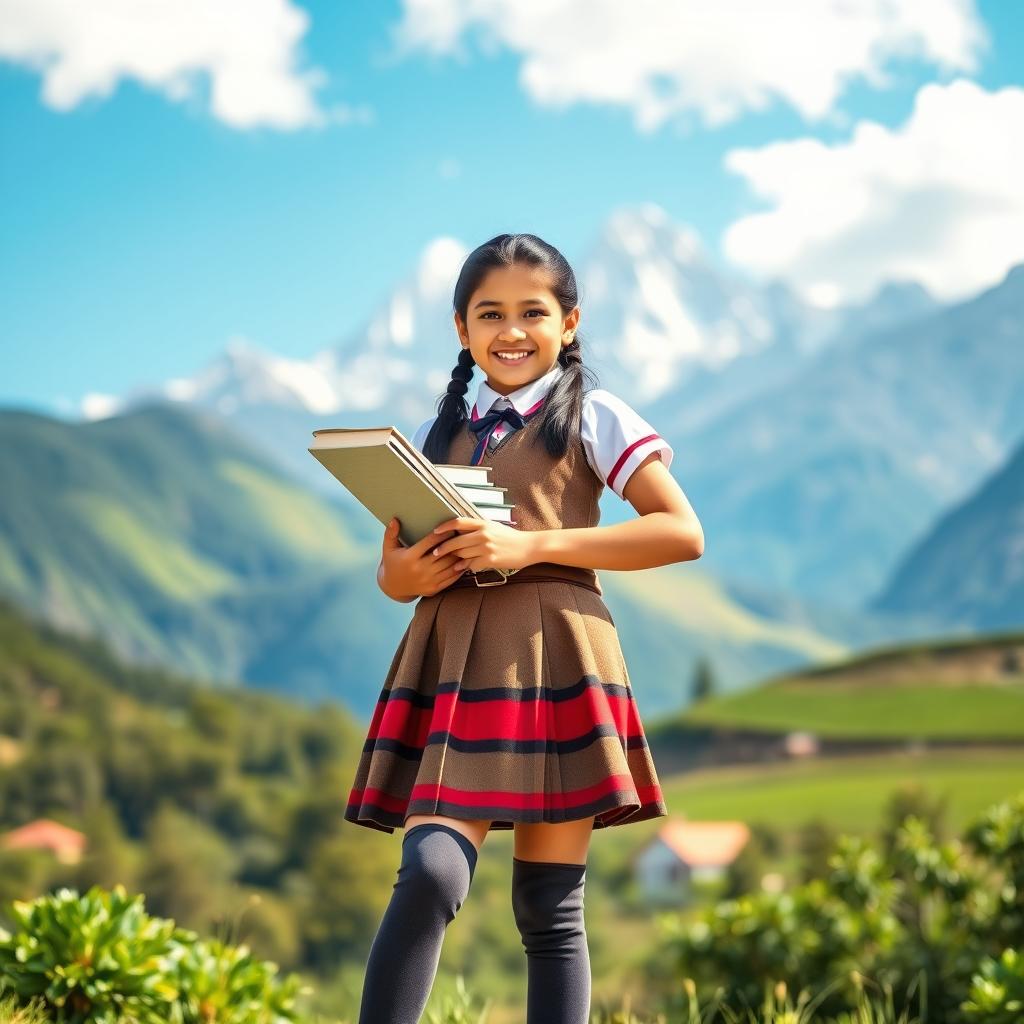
(508,704)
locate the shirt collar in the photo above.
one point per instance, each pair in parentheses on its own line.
(523,399)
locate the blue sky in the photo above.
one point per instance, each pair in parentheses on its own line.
(143,229)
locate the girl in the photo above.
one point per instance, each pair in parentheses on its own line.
(509,706)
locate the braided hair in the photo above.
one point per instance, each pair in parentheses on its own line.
(560,418)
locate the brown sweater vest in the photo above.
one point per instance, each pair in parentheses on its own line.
(548,494)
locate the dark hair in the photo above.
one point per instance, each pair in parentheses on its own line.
(560,417)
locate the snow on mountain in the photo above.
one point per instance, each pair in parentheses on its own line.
(248,375)
(657,310)
(667,329)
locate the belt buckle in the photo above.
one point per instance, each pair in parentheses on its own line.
(504,573)
(492,583)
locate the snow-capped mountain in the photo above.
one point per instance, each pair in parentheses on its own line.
(684,339)
(657,312)
(669,331)
(403,341)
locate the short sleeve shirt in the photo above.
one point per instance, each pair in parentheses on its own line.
(616,438)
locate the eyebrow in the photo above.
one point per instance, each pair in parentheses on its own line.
(492,302)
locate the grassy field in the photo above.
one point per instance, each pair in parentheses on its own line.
(966,687)
(849,793)
(855,709)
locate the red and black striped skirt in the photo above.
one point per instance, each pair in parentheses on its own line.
(509,703)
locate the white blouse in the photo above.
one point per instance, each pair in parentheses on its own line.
(616,438)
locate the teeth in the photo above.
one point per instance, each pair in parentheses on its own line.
(512,358)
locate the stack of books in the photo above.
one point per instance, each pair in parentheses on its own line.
(474,484)
(391,478)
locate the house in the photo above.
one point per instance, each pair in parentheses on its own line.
(683,852)
(801,744)
(66,844)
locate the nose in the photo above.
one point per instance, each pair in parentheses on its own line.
(515,334)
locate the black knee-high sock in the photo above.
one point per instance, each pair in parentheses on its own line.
(547,899)
(433,881)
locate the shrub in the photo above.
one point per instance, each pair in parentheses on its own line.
(997,990)
(100,959)
(944,912)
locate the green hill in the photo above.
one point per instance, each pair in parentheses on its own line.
(174,540)
(196,796)
(970,690)
(178,544)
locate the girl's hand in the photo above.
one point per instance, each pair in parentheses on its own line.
(484,544)
(408,572)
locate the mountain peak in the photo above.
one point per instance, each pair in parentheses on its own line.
(647,229)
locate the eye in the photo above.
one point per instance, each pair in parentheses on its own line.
(483,316)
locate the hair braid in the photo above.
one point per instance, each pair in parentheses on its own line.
(452,411)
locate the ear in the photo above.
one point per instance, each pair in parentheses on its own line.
(570,324)
(460,328)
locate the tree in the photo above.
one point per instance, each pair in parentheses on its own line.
(816,840)
(348,885)
(187,870)
(912,798)
(743,875)
(108,857)
(703,683)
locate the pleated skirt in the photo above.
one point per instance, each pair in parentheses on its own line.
(508,703)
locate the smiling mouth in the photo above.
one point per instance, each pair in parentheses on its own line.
(516,356)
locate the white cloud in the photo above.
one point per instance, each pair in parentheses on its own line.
(937,200)
(439,267)
(96,406)
(248,50)
(661,59)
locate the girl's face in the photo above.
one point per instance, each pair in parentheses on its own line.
(514,310)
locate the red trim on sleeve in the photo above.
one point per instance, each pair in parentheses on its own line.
(625,455)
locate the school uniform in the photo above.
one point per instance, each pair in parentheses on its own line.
(513,702)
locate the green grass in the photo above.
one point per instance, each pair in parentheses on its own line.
(309,526)
(697,603)
(166,562)
(848,792)
(859,709)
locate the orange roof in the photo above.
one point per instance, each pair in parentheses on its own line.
(704,843)
(44,833)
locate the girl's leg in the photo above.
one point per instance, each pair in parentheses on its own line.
(548,874)
(438,861)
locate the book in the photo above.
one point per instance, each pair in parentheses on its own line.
(391,478)
(480,496)
(497,512)
(474,476)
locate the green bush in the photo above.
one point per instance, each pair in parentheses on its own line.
(997,991)
(941,922)
(100,959)
(941,912)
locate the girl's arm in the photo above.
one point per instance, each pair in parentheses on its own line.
(667,529)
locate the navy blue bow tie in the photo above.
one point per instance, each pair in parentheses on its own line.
(483,427)
(486,423)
